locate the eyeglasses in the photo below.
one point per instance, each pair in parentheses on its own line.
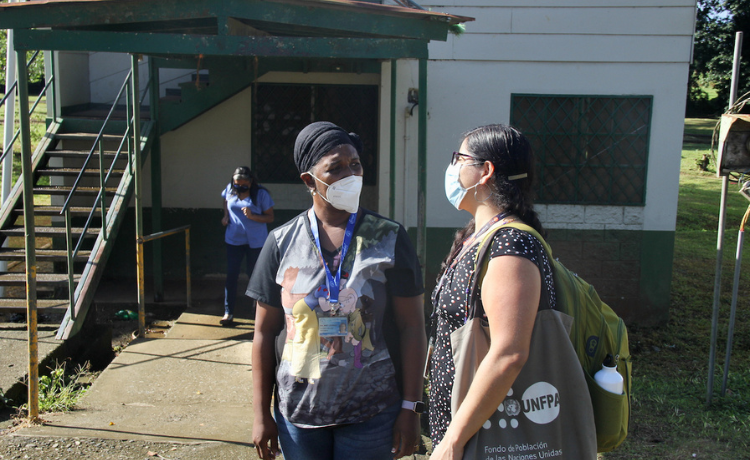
(457,155)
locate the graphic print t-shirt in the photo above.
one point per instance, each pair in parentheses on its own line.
(334,365)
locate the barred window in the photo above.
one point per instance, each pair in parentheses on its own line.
(589,149)
(281,111)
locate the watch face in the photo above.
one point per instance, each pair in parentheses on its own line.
(419,407)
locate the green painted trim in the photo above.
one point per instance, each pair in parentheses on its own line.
(231,77)
(272,64)
(657,254)
(87,125)
(180,44)
(315,18)
(156,185)
(392,188)
(422,166)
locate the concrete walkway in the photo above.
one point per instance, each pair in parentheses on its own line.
(192,386)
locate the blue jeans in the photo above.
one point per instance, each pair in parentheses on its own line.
(368,440)
(235,254)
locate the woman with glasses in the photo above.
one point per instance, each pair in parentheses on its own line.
(333,285)
(491,177)
(248,207)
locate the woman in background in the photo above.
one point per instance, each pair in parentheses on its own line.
(248,207)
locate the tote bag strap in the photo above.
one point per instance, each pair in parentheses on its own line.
(481,262)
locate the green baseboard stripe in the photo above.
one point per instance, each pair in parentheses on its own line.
(631,271)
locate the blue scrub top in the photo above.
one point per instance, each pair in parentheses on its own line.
(242,230)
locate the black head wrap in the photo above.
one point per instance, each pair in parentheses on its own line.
(319,138)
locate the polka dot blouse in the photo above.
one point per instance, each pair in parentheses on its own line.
(451,299)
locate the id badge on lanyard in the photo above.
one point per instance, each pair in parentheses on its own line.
(333,282)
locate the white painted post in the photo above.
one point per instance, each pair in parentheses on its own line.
(8,129)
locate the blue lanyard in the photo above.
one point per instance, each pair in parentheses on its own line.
(332,282)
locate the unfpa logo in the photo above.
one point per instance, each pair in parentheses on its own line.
(540,403)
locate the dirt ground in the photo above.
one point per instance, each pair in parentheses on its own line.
(21,447)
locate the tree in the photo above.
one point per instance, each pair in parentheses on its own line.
(717,22)
(36,72)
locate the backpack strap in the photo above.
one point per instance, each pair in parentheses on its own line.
(481,261)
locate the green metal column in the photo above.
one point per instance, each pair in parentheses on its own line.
(392,197)
(29,233)
(137,172)
(156,203)
(422,167)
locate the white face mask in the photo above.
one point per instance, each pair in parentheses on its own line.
(343,194)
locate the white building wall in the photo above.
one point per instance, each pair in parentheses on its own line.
(107,72)
(586,47)
(199,157)
(72,68)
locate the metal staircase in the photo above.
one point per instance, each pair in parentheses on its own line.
(81,176)
(68,275)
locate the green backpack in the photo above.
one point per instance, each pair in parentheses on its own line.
(596,333)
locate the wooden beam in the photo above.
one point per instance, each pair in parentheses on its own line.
(223,45)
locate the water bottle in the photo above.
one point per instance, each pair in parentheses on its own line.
(608,378)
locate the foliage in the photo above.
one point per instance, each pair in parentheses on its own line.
(36,71)
(717,21)
(60,391)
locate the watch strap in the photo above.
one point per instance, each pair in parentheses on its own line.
(415,406)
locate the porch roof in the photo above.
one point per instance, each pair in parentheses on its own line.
(281,28)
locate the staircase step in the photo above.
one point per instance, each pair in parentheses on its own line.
(55,210)
(74,172)
(87,136)
(19,305)
(62,190)
(83,154)
(41,254)
(50,231)
(47,279)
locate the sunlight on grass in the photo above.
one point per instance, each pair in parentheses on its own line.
(669,418)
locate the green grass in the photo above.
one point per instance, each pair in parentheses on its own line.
(670,419)
(62,388)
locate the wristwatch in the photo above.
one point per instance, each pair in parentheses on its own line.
(416,406)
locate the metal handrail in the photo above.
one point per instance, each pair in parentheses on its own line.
(100,200)
(96,141)
(156,236)
(33,107)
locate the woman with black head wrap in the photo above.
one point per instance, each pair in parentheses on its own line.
(332,286)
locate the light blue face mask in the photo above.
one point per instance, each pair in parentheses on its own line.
(453,189)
